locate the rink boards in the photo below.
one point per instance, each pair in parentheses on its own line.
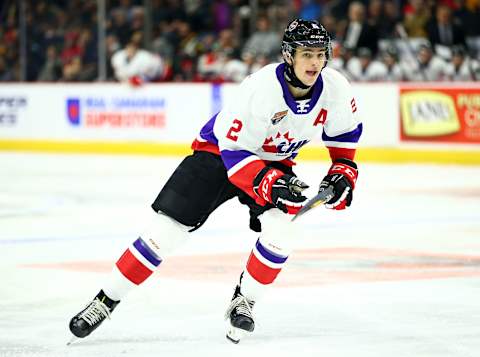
(402,123)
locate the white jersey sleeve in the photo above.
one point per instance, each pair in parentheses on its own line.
(343,129)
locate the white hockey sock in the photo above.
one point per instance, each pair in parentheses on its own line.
(268,256)
(117,286)
(251,288)
(144,255)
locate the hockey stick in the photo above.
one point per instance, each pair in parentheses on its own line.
(404,37)
(319,199)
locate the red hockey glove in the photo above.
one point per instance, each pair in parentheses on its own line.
(342,176)
(282,190)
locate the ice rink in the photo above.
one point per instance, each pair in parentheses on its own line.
(397,274)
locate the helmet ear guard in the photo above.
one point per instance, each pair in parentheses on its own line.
(288,52)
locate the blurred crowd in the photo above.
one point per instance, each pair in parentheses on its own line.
(226,40)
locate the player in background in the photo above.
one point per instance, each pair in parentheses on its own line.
(247,151)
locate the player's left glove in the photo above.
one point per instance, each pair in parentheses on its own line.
(342,176)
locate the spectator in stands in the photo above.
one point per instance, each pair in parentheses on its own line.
(163,38)
(365,68)
(429,67)
(187,47)
(180,26)
(253,62)
(234,69)
(222,15)
(226,41)
(112,46)
(6,74)
(462,67)
(119,26)
(340,62)
(260,61)
(263,41)
(468,17)
(210,64)
(374,13)
(416,17)
(358,33)
(389,20)
(217,52)
(52,68)
(71,47)
(443,31)
(89,55)
(137,19)
(395,70)
(136,66)
(72,70)
(330,24)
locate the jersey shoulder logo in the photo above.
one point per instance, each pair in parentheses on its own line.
(278,116)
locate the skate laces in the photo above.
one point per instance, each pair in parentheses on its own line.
(242,306)
(95,312)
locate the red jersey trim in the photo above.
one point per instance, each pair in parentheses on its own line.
(205,146)
(244,177)
(341,153)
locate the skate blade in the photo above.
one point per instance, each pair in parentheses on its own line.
(235,334)
(72,340)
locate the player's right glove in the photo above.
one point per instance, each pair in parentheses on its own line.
(282,190)
(342,176)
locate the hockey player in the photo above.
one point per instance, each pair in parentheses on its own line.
(247,151)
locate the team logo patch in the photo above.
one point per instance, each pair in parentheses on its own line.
(293,25)
(278,116)
(282,144)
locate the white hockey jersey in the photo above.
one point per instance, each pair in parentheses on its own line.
(265,123)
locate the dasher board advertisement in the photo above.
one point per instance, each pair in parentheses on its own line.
(444,115)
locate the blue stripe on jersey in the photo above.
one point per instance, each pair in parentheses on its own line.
(269,255)
(288,96)
(207,131)
(147,253)
(350,137)
(232,157)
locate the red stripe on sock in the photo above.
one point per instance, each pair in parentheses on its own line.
(260,272)
(132,268)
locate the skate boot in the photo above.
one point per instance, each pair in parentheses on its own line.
(239,316)
(87,320)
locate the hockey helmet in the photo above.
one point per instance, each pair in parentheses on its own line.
(305,33)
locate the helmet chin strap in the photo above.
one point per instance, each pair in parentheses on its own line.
(291,77)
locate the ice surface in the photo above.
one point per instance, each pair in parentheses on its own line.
(397,274)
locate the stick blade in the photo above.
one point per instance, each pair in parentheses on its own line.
(319,199)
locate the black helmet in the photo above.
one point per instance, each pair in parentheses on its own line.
(305,33)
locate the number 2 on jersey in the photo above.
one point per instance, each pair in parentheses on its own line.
(235,128)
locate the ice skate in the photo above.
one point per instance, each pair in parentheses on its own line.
(87,320)
(239,316)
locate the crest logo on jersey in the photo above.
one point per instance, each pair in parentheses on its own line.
(278,116)
(282,144)
(303,106)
